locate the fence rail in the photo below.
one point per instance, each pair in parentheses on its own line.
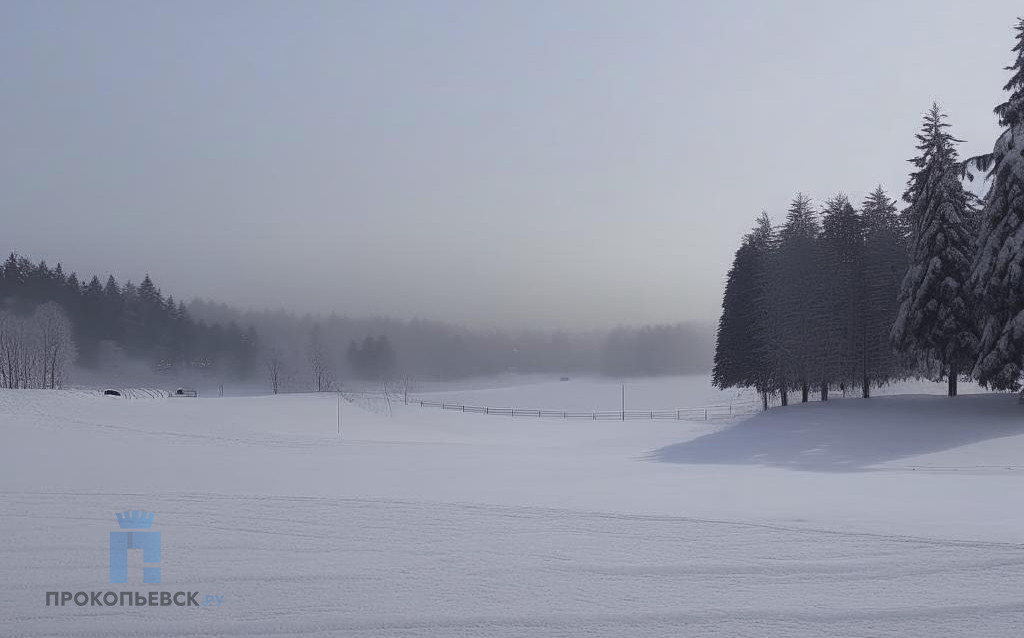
(704,413)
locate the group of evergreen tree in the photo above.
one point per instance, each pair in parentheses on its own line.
(809,305)
(373,359)
(855,298)
(997,275)
(654,350)
(134,320)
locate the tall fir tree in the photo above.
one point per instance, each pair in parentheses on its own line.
(741,347)
(793,318)
(838,298)
(997,276)
(935,324)
(88,332)
(885,263)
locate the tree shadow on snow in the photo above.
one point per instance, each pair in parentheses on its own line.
(850,435)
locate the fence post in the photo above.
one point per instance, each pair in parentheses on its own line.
(705,414)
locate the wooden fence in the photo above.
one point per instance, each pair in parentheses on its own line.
(704,413)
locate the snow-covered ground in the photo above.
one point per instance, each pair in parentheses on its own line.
(899,515)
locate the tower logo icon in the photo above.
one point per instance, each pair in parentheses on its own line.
(121,542)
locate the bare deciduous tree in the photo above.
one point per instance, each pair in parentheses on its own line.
(56,349)
(274,363)
(407,384)
(15,361)
(36,351)
(319,361)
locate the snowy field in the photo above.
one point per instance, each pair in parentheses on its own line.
(895,516)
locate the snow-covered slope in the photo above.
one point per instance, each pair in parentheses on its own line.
(893,516)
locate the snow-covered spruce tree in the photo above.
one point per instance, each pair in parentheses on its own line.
(885,263)
(935,323)
(741,348)
(997,276)
(838,298)
(793,317)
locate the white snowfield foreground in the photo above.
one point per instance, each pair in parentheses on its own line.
(895,516)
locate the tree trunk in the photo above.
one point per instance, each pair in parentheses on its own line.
(805,391)
(784,396)
(866,387)
(824,391)
(764,401)
(952,379)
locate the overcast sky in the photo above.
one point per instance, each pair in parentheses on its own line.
(547,164)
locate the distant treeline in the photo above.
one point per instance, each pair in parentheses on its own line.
(112,320)
(657,350)
(377,347)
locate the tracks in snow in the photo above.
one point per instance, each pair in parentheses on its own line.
(375,567)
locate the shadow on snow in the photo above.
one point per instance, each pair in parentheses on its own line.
(851,435)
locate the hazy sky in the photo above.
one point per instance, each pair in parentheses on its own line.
(551,164)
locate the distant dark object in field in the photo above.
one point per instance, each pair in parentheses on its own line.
(564,379)
(111,393)
(182,392)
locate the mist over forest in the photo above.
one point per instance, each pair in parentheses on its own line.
(103,328)
(426,349)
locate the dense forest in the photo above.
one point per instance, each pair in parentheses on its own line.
(110,320)
(840,298)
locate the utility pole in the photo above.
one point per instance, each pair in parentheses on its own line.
(340,386)
(623,401)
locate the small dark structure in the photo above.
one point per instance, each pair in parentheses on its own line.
(564,379)
(182,392)
(111,393)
